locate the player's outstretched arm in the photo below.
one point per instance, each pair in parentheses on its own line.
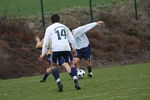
(85,28)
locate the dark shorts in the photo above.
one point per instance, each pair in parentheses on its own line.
(48,57)
(61,57)
(84,53)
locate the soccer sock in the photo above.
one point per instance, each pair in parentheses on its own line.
(55,73)
(89,69)
(73,73)
(45,76)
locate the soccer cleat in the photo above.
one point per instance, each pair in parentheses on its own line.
(76,85)
(90,75)
(42,80)
(60,87)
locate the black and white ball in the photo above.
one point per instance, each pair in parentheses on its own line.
(80,73)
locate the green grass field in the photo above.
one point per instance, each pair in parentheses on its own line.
(32,7)
(129,82)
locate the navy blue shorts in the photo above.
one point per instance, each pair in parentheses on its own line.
(61,57)
(84,53)
(48,57)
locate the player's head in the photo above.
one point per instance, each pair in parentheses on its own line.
(55,18)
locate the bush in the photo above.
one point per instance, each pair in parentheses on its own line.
(98,54)
(17,27)
(117,39)
(132,45)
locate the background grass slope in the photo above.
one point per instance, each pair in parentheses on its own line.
(130,82)
(32,7)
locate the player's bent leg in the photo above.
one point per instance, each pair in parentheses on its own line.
(71,70)
(67,67)
(46,75)
(89,67)
(49,69)
(76,61)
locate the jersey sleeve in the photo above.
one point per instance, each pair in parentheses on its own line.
(83,29)
(46,41)
(71,40)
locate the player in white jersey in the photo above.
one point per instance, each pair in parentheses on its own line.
(83,47)
(84,52)
(60,36)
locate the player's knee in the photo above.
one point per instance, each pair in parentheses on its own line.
(53,67)
(71,64)
(76,60)
(48,70)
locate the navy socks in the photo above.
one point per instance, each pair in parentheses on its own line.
(89,69)
(55,73)
(73,73)
(45,76)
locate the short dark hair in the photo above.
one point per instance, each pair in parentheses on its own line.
(55,18)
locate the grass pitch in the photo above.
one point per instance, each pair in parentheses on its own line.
(129,82)
(32,7)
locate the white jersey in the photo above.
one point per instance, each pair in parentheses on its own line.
(60,36)
(80,36)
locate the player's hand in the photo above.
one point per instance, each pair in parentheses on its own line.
(100,22)
(37,38)
(41,58)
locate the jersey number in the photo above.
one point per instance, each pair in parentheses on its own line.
(61,33)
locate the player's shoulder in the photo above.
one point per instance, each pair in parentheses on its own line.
(61,25)
(57,24)
(48,28)
(52,25)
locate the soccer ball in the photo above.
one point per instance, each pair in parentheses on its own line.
(80,73)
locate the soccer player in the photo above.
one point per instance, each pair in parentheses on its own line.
(60,36)
(83,47)
(48,55)
(86,54)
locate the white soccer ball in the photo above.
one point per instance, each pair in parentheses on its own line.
(80,73)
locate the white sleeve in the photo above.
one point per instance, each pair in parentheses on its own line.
(71,40)
(83,29)
(46,41)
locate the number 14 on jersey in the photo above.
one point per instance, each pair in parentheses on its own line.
(61,34)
